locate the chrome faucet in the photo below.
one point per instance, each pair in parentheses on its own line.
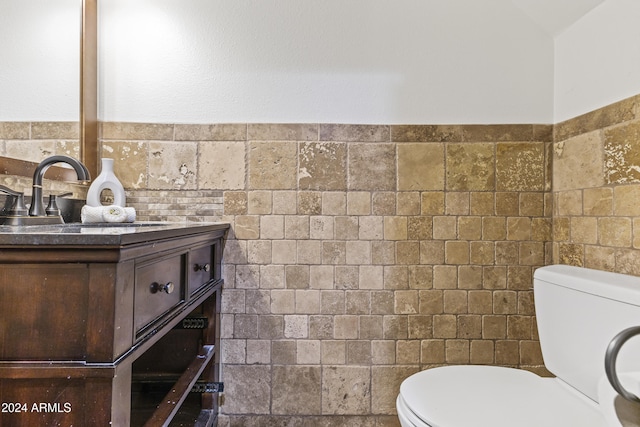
(37,207)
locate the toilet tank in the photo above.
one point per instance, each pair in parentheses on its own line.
(578,312)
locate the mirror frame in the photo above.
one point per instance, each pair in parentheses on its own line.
(88,122)
(89,86)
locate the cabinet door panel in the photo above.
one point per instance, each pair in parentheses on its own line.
(44,312)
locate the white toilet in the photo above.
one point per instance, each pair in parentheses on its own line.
(578,312)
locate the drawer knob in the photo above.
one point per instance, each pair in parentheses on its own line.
(203,267)
(166,288)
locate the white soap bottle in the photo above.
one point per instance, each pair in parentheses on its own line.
(106,180)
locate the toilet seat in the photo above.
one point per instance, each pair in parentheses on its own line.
(463,396)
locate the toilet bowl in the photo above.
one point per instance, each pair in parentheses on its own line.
(578,312)
(459,396)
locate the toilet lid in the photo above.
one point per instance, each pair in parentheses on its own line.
(463,396)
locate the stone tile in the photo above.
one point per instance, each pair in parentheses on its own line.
(395,327)
(625,199)
(16,130)
(520,166)
(346,227)
(212,132)
(297,391)
(137,131)
(382,253)
(433,352)
(284,202)
(173,166)
(621,153)
(383,352)
(282,132)
(354,133)
(612,114)
(426,133)
(284,251)
(32,151)
(345,327)
(272,165)
(482,352)
(359,352)
(233,351)
(470,167)
(371,167)
(320,327)
(420,167)
(420,327)
(507,203)
(614,231)
(370,327)
(370,277)
(245,326)
(284,352)
(598,201)
(272,276)
(322,166)
(584,230)
(260,202)
(297,276)
(333,252)
(457,352)
(333,352)
(247,389)
(396,277)
(346,390)
(408,203)
(129,162)
(482,203)
(408,253)
(53,130)
(357,302)
(321,276)
(507,352)
(384,203)
(309,203)
(334,203)
(358,203)
(370,228)
(385,386)
(408,352)
(395,228)
(490,133)
(582,153)
(307,301)
(258,352)
(235,203)
(309,251)
(406,302)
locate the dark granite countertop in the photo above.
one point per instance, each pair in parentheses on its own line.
(109,234)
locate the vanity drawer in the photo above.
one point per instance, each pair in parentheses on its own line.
(201,267)
(159,286)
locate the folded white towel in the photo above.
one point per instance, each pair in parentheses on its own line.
(113,213)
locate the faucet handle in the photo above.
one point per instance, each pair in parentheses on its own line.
(7,190)
(18,208)
(52,208)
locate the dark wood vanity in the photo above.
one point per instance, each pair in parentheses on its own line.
(110,326)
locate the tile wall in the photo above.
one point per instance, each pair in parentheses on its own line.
(596,189)
(359,254)
(362,254)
